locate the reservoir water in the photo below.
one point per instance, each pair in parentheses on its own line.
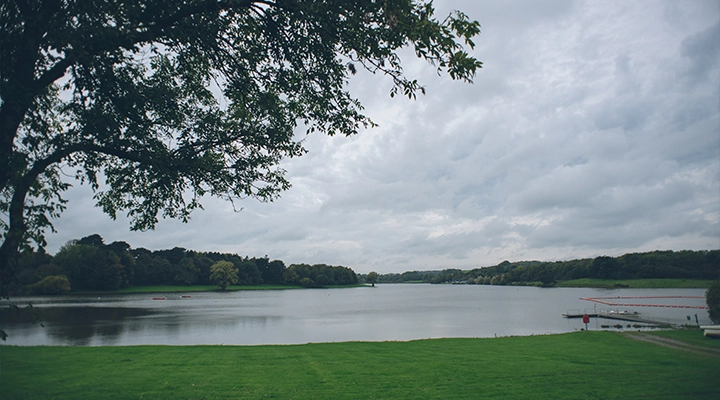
(384,313)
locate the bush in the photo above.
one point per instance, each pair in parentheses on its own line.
(712,297)
(223,273)
(307,282)
(53,284)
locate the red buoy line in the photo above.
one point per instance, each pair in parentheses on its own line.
(647,297)
(602,300)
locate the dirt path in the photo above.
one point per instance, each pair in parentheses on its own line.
(674,344)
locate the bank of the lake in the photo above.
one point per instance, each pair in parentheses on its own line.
(578,283)
(638,283)
(576,365)
(196,288)
(208,288)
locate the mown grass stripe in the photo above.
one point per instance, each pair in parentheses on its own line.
(577,365)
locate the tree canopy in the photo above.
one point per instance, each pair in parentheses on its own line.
(90,264)
(685,264)
(712,298)
(223,273)
(372,278)
(156,103)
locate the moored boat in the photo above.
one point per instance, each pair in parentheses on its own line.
(712,331)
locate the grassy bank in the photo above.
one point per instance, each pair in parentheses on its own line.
(637,283)
(578,365)
(198,288)
(207,288)
(586,282)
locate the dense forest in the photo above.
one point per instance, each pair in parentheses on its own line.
(684,264)
(89,264)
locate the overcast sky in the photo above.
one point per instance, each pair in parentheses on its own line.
(592,129)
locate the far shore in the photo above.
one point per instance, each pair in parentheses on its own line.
(577,283)
(638,283)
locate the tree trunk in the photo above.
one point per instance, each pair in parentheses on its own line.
(13,238)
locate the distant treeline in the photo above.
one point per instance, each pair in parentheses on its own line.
(90,264)
(684,264)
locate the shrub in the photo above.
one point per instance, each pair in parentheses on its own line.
(53,284)
(712,297)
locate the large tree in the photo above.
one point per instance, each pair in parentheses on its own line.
(223,273)
(372,278)
(156,103)
(90,267)
(712,298)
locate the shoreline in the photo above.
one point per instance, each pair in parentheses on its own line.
(659,283)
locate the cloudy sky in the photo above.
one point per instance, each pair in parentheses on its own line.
(593,129)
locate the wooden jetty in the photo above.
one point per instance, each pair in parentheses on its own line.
(622,316)
(570,314)
(635,301)
(613,301)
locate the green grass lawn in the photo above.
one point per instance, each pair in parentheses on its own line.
(690,337)
(580,365)
(637,283)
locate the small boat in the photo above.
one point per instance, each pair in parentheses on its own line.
(158,298)
(712,331)
(185,296)
(624,312)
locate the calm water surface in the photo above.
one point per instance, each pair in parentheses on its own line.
(386,312)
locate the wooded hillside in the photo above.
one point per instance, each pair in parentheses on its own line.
(684,264)
(90,264)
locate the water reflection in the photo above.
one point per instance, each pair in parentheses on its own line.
(76,325)
(387,312)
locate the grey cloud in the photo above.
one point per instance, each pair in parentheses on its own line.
(702,49)
(592,129)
